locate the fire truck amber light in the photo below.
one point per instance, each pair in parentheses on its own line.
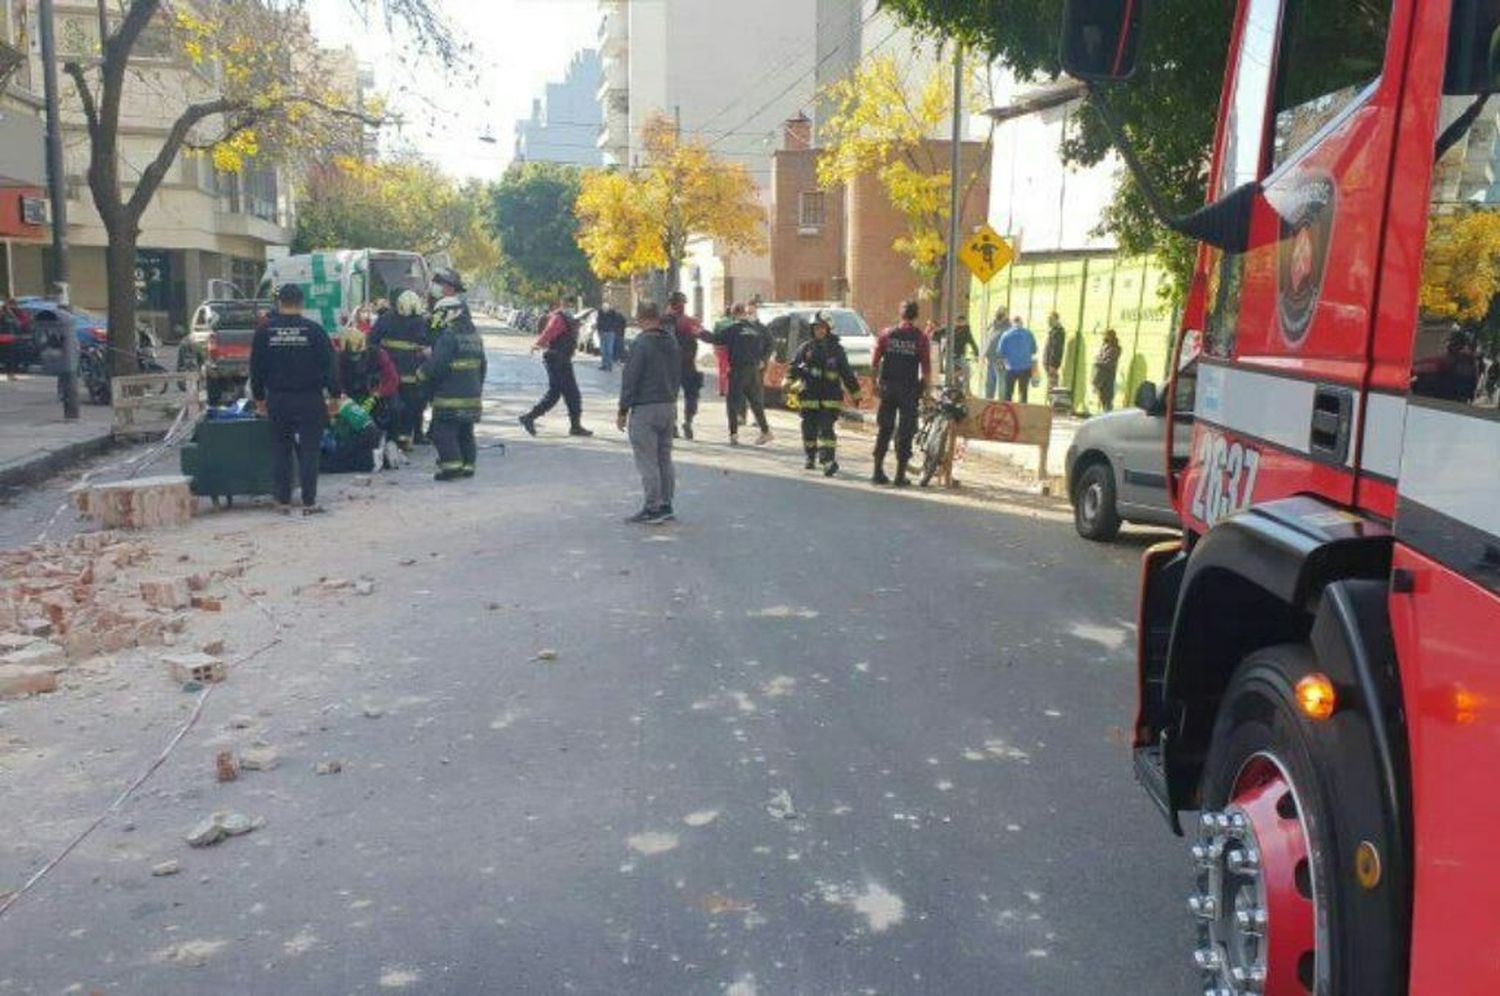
(1316,697)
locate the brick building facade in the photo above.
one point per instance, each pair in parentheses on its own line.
(836,245)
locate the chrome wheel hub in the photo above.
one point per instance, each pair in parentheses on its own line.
(1255,901)
(1093,501)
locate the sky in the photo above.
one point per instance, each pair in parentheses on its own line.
(518,47)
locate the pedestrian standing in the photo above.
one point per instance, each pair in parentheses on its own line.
(1018,353)
(403,333)
(454,376)
(747,343)
(902,369)
(293,380)
(648,408)
(1052,354)
(820,375)
(611,326)
(1106,368)
(558,342)
(994,364)
(687,330)
(965,349)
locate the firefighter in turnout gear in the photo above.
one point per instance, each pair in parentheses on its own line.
(403,333)
(454,378)
(819,375)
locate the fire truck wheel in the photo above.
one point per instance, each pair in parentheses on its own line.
(1095,514)
(1278,909)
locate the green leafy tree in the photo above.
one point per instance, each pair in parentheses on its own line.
(531,214)
(406,204)
(1168,109)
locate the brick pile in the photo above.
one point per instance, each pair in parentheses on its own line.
(66,602)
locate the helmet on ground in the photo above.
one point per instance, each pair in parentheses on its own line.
(409,303)
(448,277)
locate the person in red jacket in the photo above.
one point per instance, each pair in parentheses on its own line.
(558,342)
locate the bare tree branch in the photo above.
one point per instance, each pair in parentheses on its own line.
(153,174)
(85,97)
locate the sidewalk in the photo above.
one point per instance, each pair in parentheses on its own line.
(35,440)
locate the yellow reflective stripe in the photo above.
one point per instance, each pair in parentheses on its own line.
(457,403)
(450,465)
(464,365)
(415,378)
(401,344)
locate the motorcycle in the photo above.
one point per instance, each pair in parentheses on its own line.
(94,372)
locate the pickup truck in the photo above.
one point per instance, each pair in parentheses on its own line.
(222,333)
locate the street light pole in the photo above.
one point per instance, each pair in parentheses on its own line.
(68,381)
(950,357)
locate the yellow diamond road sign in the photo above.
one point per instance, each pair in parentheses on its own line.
(986,253)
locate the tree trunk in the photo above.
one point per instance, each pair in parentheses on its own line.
(119,262)
(674,273)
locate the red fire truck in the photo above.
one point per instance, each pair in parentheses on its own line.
(1317,681)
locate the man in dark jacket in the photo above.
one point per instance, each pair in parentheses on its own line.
(291,368)
(403,333)
(748,345)
(687,330)
(648,406)
(820,374)
(611,326)
(558,342)
(454,377)
(1052,353)
(902,367)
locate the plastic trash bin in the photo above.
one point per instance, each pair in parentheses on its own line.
(229,458)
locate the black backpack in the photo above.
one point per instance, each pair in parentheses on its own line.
(566,344)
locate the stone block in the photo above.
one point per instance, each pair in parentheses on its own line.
(144,503)
(18,680)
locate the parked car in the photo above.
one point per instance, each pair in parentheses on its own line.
(222,333)
(88,328)
(17,350)
(1114,467)
(790,326)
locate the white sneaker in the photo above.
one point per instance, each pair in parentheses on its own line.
(764,438)
(734,440)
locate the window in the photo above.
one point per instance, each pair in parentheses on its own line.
(1330,51)
(812,210)
(1245,128)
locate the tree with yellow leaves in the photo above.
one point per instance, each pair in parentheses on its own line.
(249,80)
(883,124)
(633,222)
(1461,275)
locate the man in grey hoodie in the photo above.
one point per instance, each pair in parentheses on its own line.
(648,405)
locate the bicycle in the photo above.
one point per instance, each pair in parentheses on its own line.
(939,420)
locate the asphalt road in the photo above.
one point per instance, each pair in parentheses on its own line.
(812,739)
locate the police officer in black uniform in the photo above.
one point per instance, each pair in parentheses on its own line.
(454,378)
(902,366)
(291,368)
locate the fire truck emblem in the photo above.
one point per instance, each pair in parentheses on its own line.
(1302,253)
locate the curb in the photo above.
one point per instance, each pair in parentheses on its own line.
(40,466)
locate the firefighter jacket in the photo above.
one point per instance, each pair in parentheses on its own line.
(454,375)
(404,337)
(823,372)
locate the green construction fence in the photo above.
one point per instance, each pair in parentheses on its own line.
(1091,293)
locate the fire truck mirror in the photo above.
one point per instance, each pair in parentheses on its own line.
(1100,39)
(1146,398)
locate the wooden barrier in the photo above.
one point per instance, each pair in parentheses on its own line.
(1006,422)
(148,404)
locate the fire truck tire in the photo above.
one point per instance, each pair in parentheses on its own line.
(1096,515)
(1286,915)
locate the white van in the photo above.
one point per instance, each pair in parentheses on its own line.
(338,282)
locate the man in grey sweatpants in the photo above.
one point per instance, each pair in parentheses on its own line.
(648,405)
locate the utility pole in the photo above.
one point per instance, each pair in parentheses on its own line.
(950,354)
(68,381)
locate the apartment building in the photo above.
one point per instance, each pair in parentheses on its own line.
(23,172)
(565,121)
(202,225)
(728,73)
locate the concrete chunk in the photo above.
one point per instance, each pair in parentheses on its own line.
(41,654)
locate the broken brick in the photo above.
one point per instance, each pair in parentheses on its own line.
(18,680)
(206,604)
(166,593)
